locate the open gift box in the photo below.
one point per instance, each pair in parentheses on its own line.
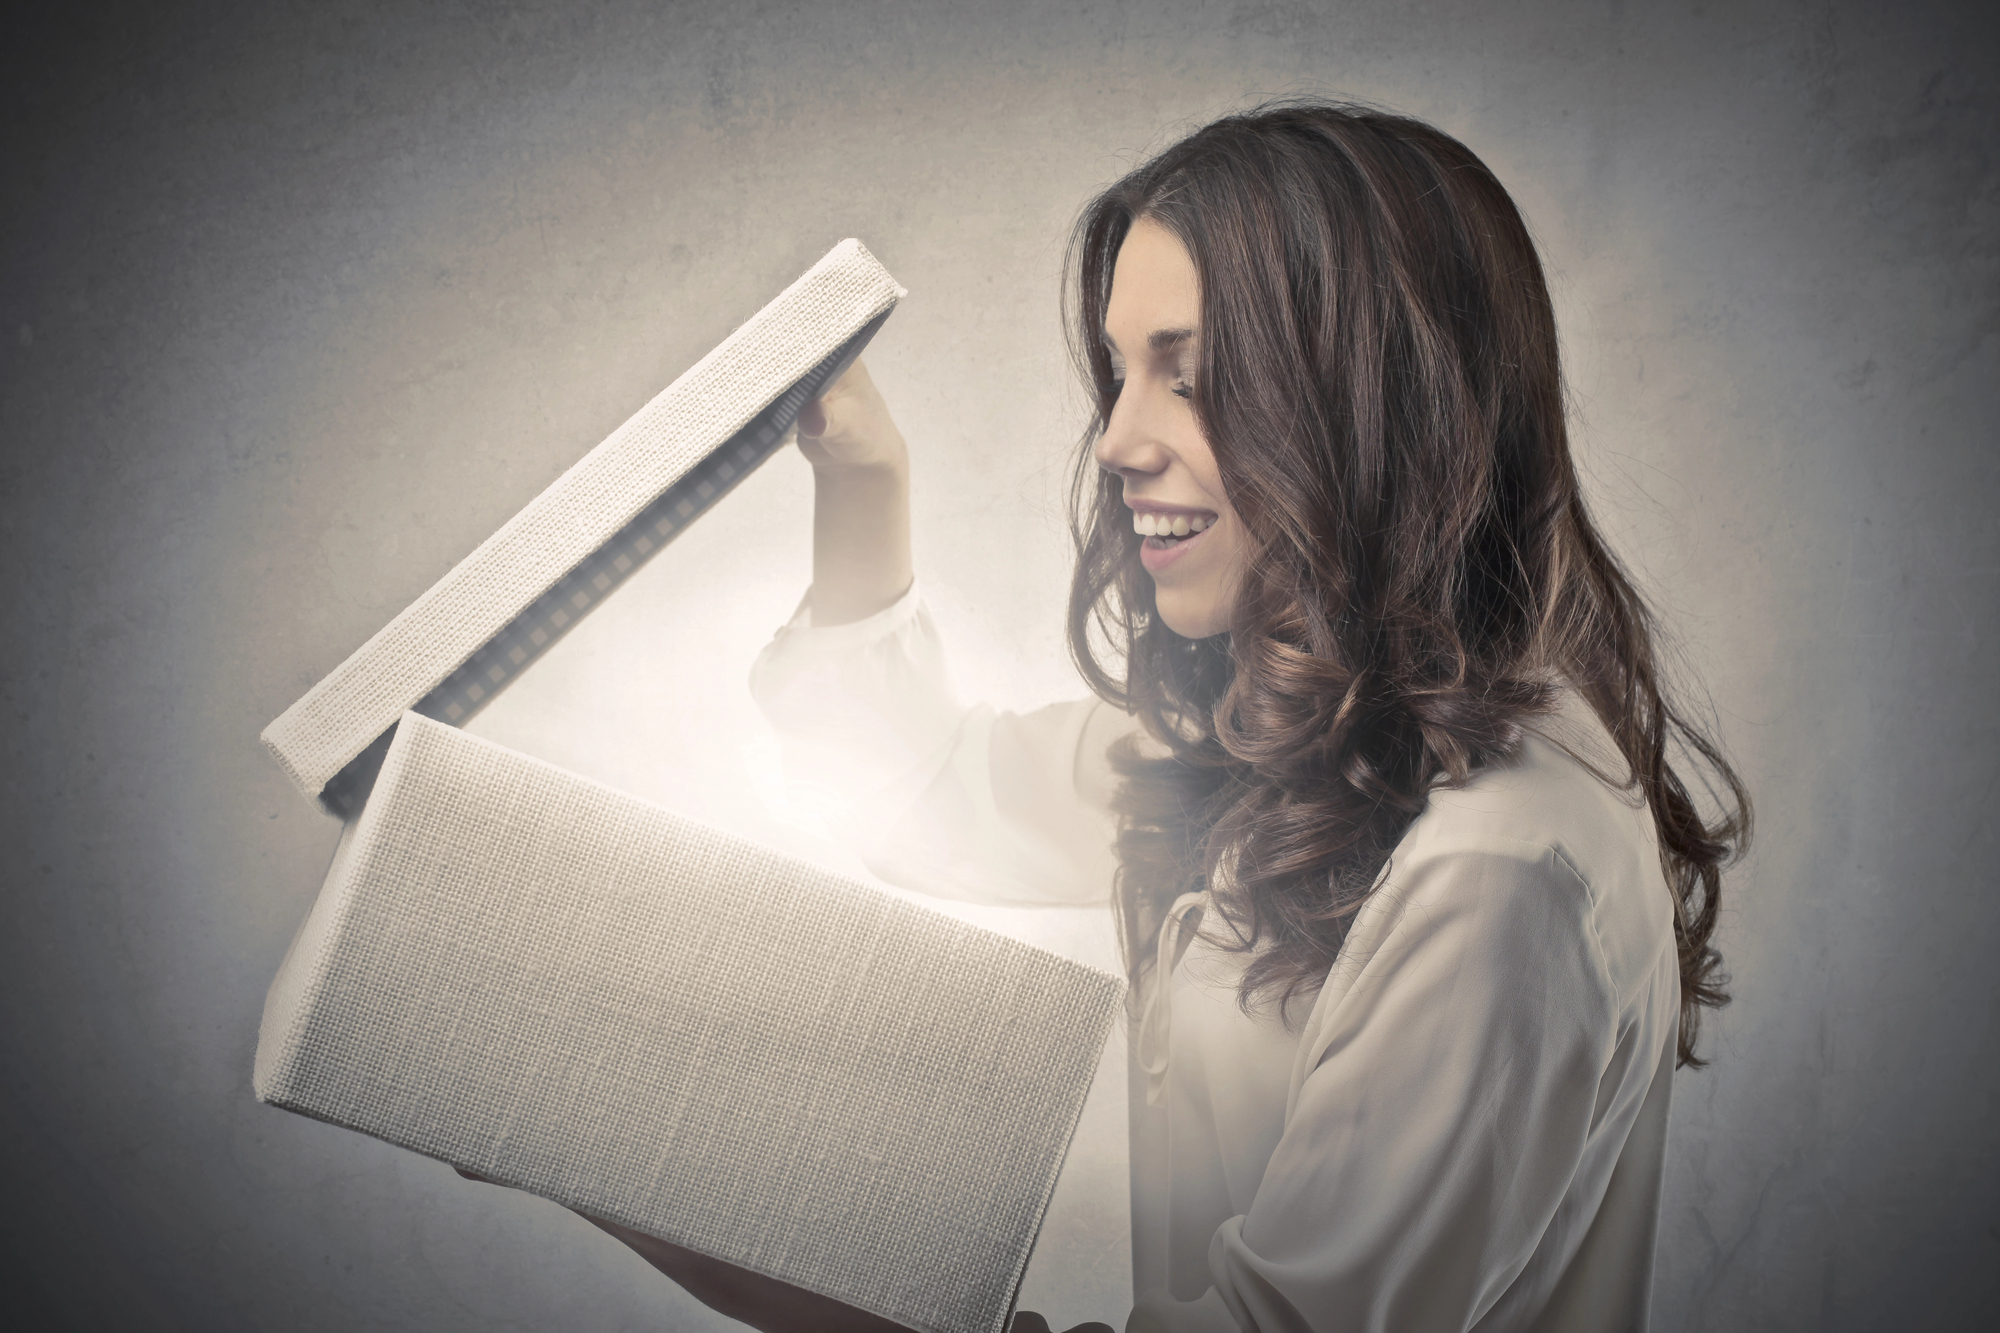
(566,989)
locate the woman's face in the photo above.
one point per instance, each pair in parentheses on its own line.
(1193,542)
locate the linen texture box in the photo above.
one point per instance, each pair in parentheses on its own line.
(566,989)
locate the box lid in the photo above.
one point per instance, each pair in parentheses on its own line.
(505,604)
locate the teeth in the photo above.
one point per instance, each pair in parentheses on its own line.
(1176,525)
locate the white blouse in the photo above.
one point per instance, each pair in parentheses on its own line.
(1468,1130)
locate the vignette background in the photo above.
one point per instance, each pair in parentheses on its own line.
(299,302)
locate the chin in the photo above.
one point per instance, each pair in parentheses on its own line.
(1203,621)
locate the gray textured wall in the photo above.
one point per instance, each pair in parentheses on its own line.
(300,301)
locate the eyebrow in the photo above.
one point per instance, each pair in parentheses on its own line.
(1159,340)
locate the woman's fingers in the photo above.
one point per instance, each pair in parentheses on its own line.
(843,404)
(812,420)
(849,426)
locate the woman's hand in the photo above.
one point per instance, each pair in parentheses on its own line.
(849,427)
(861,500)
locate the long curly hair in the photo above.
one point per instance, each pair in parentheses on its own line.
(1379,382)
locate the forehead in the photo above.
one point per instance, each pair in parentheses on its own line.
(1154,287)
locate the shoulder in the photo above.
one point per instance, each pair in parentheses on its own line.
(1557,830)
(1565,789)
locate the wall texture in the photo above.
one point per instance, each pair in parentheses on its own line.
(300,301)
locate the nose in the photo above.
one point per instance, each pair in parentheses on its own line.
(1128,447)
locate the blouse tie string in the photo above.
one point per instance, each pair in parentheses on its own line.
(1157,1020)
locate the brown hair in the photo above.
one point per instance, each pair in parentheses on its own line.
(1378,380)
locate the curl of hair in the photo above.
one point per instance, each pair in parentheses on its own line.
(1378,379)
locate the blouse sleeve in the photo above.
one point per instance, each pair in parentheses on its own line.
(935,795)
(1448,1082)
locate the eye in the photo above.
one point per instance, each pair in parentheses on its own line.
(1184,390)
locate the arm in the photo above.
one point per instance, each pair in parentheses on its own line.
(954,801)
(861,501)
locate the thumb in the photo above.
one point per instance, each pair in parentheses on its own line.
(812,419)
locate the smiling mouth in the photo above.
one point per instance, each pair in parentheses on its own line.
(1164,531)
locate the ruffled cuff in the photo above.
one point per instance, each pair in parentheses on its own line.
(858,708)
(808,637)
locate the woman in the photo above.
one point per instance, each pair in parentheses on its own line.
(1377,780)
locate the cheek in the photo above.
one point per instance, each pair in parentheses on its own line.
(1229,551)
(1226,574)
